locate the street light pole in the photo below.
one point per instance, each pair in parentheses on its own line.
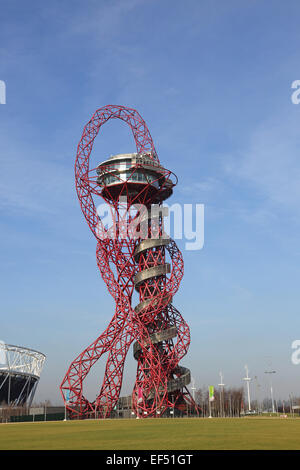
(230,408)
(67,398)
(193,388)
(271,388)
(291,405)
(258,395)
(247,380)
(173,402)
(222,395)
(209,407)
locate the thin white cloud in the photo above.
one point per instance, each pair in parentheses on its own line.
(208,184)
(271,162)
(32,182)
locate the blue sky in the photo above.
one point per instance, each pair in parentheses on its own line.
(212,79)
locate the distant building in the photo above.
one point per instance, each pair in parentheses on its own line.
(20,370)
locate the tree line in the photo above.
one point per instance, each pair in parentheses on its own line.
(227,402)
(231,402)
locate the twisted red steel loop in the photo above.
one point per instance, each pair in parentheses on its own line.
(127,266)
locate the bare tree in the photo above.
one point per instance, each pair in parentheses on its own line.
(229,403)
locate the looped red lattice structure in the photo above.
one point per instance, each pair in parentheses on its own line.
(148,264)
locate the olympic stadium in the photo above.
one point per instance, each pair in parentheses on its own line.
(20,371)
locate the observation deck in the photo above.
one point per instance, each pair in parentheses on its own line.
(137,176)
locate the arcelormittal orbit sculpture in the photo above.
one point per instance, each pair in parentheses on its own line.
(134,256)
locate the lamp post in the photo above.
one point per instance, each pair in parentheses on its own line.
(291,405)
(221,395)
(247,380)
(67,398)
(210,398)
(271,388)
(193,388)
(258,395)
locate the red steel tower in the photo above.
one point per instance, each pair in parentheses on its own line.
(135,258)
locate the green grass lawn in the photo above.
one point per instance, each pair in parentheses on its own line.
(154,434)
